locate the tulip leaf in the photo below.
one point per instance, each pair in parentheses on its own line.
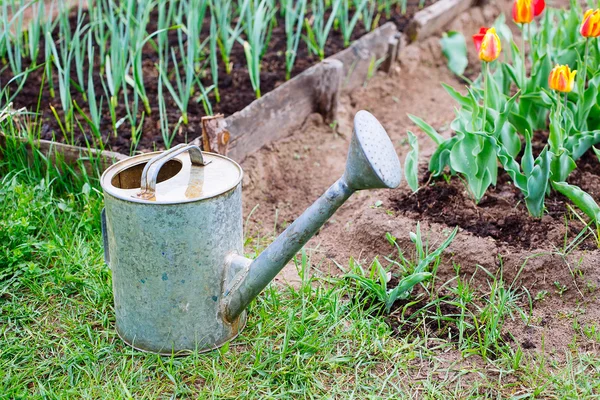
(537,183)
(428,129)
(597,152)
(464,101)
(411,164)
(561,166)
(580,142)
(581,199)
(454,47)
(441,157)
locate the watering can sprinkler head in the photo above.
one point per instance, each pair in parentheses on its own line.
(372,164)
(372,161)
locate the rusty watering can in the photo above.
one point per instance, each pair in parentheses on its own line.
(173,238)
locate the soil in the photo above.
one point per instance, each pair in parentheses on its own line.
(235,89)
(497,235)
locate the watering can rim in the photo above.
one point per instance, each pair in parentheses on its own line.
(109,189)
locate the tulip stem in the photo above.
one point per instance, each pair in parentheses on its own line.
(524,74)
(485,94)
(585,63)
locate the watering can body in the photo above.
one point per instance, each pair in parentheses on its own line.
(168,262)
(173,238)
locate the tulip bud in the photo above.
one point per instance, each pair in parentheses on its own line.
(561,78)
(538,7)
(523,11)
(488,44)
(590,27)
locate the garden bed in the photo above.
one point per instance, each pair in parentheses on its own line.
(235,89)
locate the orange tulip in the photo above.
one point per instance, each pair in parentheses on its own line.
(590,27)
(523,11)
(487,44)
(561,78)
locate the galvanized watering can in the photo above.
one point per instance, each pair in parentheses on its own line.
(172,228)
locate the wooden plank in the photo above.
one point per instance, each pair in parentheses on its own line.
(364,52)
(434,18)
(279,112)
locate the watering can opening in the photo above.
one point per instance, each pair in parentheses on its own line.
(173,238)
(131,177)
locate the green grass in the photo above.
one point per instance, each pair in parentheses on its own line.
(57,336)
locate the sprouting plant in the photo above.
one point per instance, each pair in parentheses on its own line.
(368,13)
(374,283)
(139,39)
(317,32)
(348,24)
(214,66)
(294,19)
(185,85)
(257,26)
(227,36)
(167,135)
(116,60)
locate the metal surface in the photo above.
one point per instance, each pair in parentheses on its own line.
(153,167)
(168,272)
(180,281)
(179,178)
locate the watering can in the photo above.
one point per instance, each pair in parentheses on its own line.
(173,238)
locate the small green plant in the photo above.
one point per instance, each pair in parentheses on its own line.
(374,283)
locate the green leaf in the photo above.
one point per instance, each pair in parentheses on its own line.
(537,183)
(428,129)
(581,199)
(411,164)
(454,47)
(441,157)
(464,101)
(561,167)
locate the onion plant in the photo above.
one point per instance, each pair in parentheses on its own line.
(62,62)
(185,86)
(139,39)
(318,32)
(227,36)
(294,19)
(257,26)
(167,136)
(116,60)
(371,13)
(348,24)
(214,65)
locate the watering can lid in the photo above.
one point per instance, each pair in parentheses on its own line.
(179,176)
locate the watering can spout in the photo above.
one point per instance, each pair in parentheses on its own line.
(372,163)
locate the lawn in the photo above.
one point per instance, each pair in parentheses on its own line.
(315,341)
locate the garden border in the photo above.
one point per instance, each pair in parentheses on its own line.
(278,113)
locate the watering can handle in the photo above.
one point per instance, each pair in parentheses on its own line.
(152,168)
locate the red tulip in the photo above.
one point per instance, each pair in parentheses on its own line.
(538,7)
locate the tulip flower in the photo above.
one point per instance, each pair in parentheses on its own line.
(590,27)
(488,44)
(488,47)
(523,11)
(538,7)
(561,78)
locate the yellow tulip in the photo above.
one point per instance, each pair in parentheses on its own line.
(561,78)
